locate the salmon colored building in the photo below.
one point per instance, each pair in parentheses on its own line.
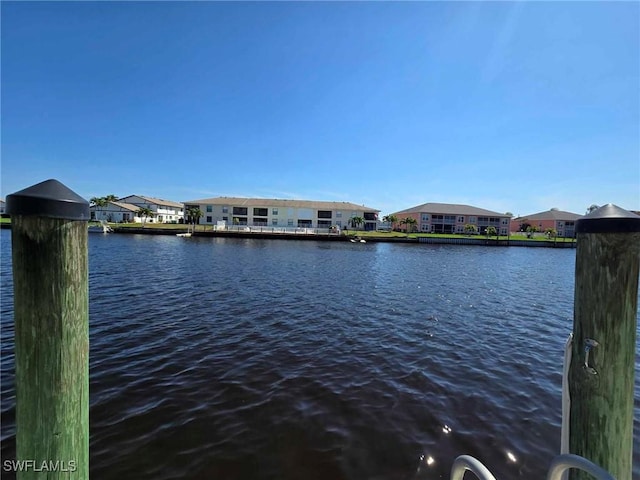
(452,218)
(563,222)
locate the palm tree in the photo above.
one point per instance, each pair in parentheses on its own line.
(356,221)
(409,223)
(144,213)
(99,202)
(193,213)
(391,219)
(470,229)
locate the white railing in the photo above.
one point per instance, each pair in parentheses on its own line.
(274,230)
(466,462)
(559,465)
(563,463)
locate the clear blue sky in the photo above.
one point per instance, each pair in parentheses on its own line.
(510,106)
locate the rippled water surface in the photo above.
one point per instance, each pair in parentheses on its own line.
(269,359)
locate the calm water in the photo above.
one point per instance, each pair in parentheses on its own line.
(228,359)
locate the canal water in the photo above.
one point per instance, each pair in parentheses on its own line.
(269,359)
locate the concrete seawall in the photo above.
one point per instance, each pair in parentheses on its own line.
(492,242)
(489,242)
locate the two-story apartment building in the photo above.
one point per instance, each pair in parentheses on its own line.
(452,218)
(263,212)
(115,212)
(163,211)
(564,223)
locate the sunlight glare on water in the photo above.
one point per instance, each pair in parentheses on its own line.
(257,359)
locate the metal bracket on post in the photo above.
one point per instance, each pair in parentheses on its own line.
(589,343)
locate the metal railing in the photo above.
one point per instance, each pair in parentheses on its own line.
(559,465)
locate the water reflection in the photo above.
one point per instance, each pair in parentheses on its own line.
(217,358)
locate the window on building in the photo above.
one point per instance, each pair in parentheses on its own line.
(425,217)
(225,209)
(460,219)
(274,222)
(324,213)
(209,208)
(240,211)
(472,219)
(274,211)
(209,219)
(260,212)
(338,214)
(290,222)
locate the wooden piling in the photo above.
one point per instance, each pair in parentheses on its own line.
(601,374)
(51,310)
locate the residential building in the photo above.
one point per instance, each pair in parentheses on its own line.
(163,211)
(2,207)
(115,212)
(283,213)
(564,223)
(452,218)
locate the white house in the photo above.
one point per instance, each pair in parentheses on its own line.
(282,213)
(116,212)
(163,211)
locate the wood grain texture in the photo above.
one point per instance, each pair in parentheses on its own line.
(601,418)
(51,297)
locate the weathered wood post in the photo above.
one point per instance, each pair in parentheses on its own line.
(51,310)
(601,373)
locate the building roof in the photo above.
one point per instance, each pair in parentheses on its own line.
(122,205)
(126,206)
(156,201)
(272,202)
(450,209)
(553,214)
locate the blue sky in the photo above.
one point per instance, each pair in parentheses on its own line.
(509,106)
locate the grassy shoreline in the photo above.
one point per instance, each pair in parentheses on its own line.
(380,236)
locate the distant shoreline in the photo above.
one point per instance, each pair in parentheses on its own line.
(477,240)
(367,236)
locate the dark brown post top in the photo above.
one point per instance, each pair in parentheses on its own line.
(609,219)
(49,199)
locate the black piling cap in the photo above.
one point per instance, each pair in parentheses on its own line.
(49,199)
(609,219)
